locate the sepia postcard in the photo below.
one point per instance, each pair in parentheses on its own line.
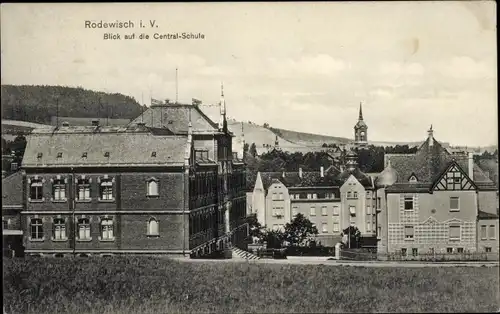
(272,157)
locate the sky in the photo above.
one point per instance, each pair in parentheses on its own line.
(298,66)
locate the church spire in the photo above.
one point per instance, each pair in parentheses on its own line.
(360,112)
(222,105)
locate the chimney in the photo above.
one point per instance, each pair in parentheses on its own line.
(322,172)
(65,123)
(471,166)
(95,122)
(431,136)
(300,173)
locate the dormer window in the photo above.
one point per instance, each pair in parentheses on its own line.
(59,155)
(413,178)
(106,154)
(84,155)
(153,154)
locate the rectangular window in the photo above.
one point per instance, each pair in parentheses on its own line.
(355,195)
(487,249)
(84,229)
(324,227)
(5,224)
(409,232)
(281,196)
(408,202)
(403,252)
(379,202)
(449,250)
(455,233)
(335,227)
(352,210)
(294,211)
(275,196)
(59,229)
(36,229)
(483,232)
(83,188)
(313,211)
(106,189)
(349,194)
(492,233)
(379,230)
(107,229)
(368,226)
(36,191)
(314,196)
(323,211)
(59,190)
(460,250)
(335,210)
(414,251)
(368,194)
(274,211)
(368,210)
(454,203)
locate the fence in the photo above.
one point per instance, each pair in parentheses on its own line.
(363,254)
(442,257)
(310,251)
(272,253)
(370,254)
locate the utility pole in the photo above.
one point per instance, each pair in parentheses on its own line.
(176,86)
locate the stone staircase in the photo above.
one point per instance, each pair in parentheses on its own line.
(241,254)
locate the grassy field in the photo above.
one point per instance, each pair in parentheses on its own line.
(158,285)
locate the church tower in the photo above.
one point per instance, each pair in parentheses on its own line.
(360,130)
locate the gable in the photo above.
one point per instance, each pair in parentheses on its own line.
(454,179)
(350,183)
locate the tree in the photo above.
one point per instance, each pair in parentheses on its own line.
(266,125)
(253,150)
(245,149)
(351,237)
(297,231)
(256,229)
(274,239)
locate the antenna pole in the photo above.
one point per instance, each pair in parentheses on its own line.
(176,86)
(57,112)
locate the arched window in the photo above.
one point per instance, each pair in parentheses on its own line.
(59,229)
(152,187)
(153,227)
(107,229)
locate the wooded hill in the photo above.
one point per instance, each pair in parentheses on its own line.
(38,103)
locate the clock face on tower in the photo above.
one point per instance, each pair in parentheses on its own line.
(362,133)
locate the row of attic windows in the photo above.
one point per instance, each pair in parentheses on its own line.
(84,155)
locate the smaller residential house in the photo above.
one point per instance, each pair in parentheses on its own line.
(435,202)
